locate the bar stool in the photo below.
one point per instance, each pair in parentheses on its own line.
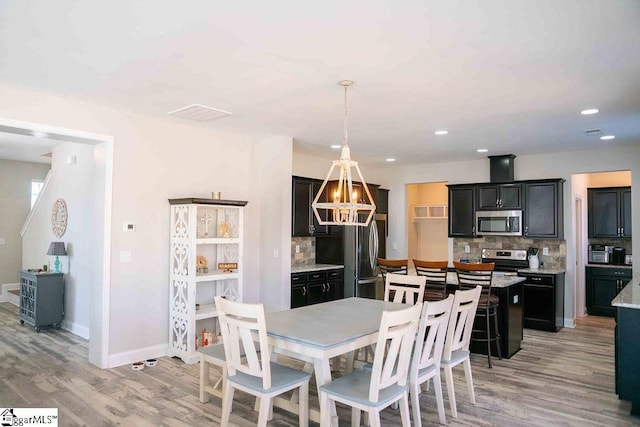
(470,276)
(397,266)
(436,274)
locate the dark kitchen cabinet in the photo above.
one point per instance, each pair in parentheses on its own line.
(462,210)
(316,286)
(609,212)
(602,285)
(41,299)
(543,213)
(499,196)
(543,296)
(303,220)
(382,201)
(627,345)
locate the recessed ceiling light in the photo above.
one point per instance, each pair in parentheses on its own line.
(589,111)
(482,150)
(441,132)
(390,159)
(605,137)
(336,146)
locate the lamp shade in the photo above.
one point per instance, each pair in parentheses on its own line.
(57,249)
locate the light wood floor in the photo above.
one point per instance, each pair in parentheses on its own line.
(561,379)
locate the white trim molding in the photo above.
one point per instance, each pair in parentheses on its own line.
(127,357)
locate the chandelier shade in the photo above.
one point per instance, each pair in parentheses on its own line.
(341,200)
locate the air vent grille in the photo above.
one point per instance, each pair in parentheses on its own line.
(593,132)
(199,113)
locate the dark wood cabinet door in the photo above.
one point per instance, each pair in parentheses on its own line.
(499,197)
(317,293)
(382,203)
(301,204)
(298,296)
(543,210)
(626,212)
(488,197)
(335,289)
(601,289)
(462,210)
(317,229)
(603,212)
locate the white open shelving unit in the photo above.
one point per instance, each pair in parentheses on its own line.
(429,212)
(213,229)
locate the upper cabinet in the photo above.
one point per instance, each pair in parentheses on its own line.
(382,201)
(462,210)
(543,213)
(540,201)
(499,196)
(303,220)
(609,212)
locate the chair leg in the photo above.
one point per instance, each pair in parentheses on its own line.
(488,337)
(437,386)
(448,376)
(404,410)
(467,373)
(303,405)
(415,403)
(204,380)
(498,336)
(355,417)
(227,401)
(263,417)
(325,410)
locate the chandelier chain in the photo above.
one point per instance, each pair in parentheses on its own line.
(346,137)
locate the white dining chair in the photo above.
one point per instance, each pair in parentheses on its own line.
(254,373)
(427,354)
(407,289)
(456,343)
(386,383)
(212,355)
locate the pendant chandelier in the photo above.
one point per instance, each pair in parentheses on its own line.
(340,200)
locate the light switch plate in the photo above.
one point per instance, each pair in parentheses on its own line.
(467,249)
(545,251)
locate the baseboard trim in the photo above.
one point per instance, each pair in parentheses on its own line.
(569,323)
(127,357)
(6,297)
(74,328)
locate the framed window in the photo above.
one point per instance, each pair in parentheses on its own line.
(36,187)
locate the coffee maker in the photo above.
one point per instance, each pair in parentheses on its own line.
(618,255)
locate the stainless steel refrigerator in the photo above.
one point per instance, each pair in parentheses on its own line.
(357,249)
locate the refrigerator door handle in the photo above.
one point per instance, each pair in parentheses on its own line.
(373,245)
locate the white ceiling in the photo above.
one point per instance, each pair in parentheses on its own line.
(507,75)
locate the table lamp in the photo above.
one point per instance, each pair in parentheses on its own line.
(57,249)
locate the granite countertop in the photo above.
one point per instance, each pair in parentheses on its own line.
(498,281)
(629,297)
(610,266)
(543,270)
(314,267)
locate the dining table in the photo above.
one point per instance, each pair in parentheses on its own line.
(317,333)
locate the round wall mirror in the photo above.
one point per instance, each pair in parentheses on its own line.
(59,218)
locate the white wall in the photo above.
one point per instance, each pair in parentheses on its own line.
(76,185)
(15,200)
(154,159)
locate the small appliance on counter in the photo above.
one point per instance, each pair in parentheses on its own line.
(600,254)
(618,255)
(534,261)
(627,259)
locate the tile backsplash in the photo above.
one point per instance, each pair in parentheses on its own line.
(307,253)
(557,257)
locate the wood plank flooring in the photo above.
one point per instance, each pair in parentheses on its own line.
(561,379)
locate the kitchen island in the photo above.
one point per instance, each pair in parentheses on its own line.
(627,344)
(508,288)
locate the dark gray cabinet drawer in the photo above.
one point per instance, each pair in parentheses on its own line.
(540,279)
(335,274)
(298,278)
(316,276)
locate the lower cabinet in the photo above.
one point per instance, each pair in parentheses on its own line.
(628,356)
(41,299)
(602,285)
(316,286)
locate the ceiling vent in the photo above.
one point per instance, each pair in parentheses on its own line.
(593,132)
(199,113)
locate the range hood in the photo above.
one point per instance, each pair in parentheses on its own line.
(501,168)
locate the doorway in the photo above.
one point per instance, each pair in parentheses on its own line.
(427,215)
(100,290)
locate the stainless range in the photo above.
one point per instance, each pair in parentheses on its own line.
(508,260)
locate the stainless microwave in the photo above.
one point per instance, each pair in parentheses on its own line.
(499,223)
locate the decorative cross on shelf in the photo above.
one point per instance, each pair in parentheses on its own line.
(207,218)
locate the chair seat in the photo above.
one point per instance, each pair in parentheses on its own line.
(355,388)
(215,351)
(282,378)
(490,302)
(456,357)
